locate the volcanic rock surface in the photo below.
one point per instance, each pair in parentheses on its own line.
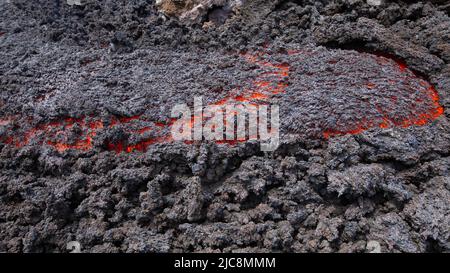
(217,11)
(86,153)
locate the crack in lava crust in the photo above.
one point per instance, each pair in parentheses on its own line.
(321,93)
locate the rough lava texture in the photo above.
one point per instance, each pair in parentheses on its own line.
(86,93)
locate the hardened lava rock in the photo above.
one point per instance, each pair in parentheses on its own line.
(85,98)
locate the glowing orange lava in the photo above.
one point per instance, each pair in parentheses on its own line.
(385,122)
(70,133)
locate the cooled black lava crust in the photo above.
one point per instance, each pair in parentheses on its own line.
(85,100)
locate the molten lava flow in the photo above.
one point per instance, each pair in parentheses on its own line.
(268,83)
(142,145)
(69,133)
(387,121)
(259,91)
(79,134)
